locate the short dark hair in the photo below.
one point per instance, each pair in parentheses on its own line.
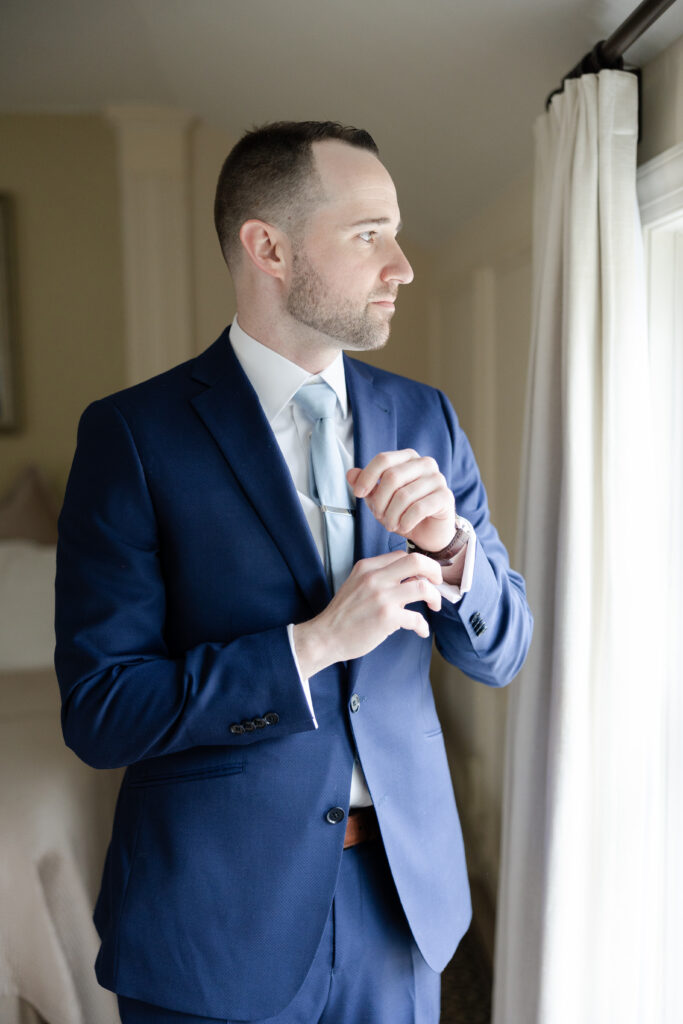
(269,175)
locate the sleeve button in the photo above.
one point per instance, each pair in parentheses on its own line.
(260,723)
(236,729)
(477,623)
(272,718)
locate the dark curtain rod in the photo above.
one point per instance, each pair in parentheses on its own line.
(608,53)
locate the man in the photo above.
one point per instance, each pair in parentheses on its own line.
(286,845)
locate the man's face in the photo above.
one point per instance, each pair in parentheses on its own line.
(347,264)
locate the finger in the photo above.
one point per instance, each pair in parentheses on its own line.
(423,474)
(368,477)
(437,505)
(377,562)
(409,495)
(352,475)
(396,566)
(420,589)
(416,622)
(409,565)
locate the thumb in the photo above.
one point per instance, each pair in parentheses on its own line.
(352,475)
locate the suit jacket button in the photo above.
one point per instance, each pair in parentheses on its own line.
(335,815)
(355,702)
(260,723)
(236,729)
(248,725)
(272,718)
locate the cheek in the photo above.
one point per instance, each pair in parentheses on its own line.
(346,274)
(345,281)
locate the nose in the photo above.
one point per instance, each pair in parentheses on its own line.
(397,267)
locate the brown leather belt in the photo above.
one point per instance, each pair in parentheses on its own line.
(361,826)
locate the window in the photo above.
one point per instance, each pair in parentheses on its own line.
(660,190)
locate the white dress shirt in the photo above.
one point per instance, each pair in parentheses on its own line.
(276,380)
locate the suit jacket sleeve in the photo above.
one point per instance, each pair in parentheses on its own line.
(124,698)
(497,597)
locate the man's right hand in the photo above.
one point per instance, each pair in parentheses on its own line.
(367,608)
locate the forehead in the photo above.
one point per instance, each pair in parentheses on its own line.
(354,179)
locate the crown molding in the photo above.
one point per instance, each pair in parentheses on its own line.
(660,187)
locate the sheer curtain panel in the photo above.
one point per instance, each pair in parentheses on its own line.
(580,931)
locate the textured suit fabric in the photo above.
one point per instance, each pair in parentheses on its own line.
(183,554)
(366,970)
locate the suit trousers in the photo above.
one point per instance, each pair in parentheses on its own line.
(367,970)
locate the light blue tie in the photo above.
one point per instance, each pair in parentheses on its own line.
(328,486)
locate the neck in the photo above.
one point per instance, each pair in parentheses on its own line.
(302,345)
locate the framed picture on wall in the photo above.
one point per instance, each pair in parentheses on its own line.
(8,411)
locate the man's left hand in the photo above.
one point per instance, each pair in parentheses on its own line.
(408,494)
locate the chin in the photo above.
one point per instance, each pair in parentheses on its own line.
(369,344)
(375,336)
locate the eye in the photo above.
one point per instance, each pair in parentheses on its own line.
(368,236)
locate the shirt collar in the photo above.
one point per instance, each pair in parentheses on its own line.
(275,379)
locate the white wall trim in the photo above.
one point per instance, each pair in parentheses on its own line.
(153,156)
(660,187)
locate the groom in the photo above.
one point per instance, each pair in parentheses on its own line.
(256,550)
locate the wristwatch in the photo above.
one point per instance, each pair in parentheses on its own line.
(446,555)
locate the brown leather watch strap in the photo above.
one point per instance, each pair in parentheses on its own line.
(447,554)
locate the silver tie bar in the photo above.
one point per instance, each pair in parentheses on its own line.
(339,511)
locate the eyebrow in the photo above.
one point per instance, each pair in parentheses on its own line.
(375,220)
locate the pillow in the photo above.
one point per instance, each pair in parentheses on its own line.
(27,604)
(29,510)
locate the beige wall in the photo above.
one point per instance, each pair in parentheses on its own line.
(662,103)
(60,173)
(214,297)
(480,304)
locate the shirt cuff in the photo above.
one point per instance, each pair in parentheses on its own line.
(306,686)
(452,591)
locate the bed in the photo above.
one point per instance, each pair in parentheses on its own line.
(55,812)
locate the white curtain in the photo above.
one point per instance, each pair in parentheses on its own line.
(582,927)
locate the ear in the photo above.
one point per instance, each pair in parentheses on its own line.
(265,246)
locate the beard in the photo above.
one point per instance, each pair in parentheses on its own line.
(311,302)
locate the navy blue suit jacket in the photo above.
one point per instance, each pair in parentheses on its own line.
(183,554)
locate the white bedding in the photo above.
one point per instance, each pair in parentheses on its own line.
(55,820)
(27,604)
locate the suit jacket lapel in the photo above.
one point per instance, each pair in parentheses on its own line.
(231,411)
(374,430)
